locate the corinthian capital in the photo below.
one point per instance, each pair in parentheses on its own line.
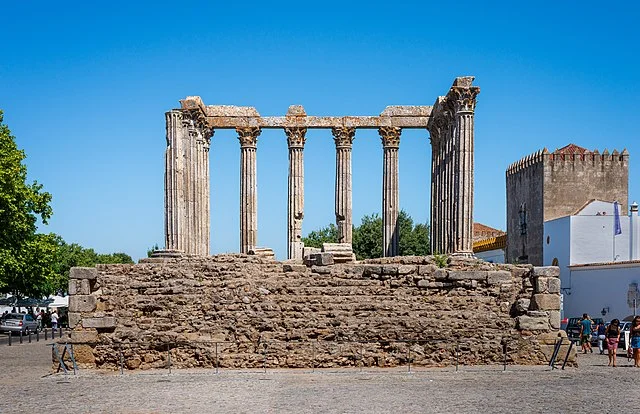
(390,136)
(464,99)
(343,136)
(196,123)
(296,137)
(248,136)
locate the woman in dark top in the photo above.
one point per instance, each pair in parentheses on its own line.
(613,336)
(601,336)
(635,341)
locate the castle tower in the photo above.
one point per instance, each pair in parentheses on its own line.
(547,185)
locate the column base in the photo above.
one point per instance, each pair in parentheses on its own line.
(469,255)
(167,253)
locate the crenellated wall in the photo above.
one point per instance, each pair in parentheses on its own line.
(288,315)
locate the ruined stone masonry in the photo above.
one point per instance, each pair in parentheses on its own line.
(243,311)
(187,189)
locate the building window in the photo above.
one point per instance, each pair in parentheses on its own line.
(523,218)
(554,262)
(548,239)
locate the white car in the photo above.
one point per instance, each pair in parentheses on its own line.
(19,322)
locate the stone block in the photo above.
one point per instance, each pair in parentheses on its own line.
(499,277)
(390,270)
(73,290)
(406,269)
(522,305)
(83,273)
(468,275)
(82,303)
(85,336)
(541,285)
(544,301)
(79,287)
(288,267)
(74,319)
(554,319)
(320,270)
(546,271)
(426,269)
(99,323)
(554,285)
(528,323)
(323,259)
(422,283)
(440,274)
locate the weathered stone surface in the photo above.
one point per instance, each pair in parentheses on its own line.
(546,271)
(83,273)
(541,285)
(468,275)
(554,319)
(244,300)
(99,323)
(543,301)
(82,303)
(522,305)
(294,268)
(554,285)
(529,323)
(74,319)
(84,336)
(499,277)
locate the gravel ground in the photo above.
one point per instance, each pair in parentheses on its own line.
(25,383)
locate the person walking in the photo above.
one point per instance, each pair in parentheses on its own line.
(613,337)
(54,319)
(635,341)
(586,327)
(602,337)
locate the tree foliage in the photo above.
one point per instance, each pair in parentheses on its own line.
(25,257)
(367,237)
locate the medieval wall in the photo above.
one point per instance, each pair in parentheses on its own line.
(571,181)
(260,311)
(525,188)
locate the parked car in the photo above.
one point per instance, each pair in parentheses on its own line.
(624,326)
(19,322)
(573,328)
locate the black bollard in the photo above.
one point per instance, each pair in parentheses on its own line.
(20,336)
(53,333)
(45,334)
(37,336)
(60,332)
(29,336)
(10,335)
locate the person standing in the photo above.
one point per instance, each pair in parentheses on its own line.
(635,341)
(602,337)
(54,319)
(613,337)
(39,319)
(586,327)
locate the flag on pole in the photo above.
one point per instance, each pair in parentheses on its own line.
(617,229)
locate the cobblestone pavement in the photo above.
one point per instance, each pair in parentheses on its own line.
(26,387)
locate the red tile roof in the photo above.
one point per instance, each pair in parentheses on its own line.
(571,149)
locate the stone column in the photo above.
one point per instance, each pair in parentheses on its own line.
(173,181)
(463,99)
(248,137)
(343,137)
(390,137)
(295,205)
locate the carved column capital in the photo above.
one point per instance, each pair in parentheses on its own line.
(196,123)
(464,99)
(248,136)
(390,136)
(343,136)
(295,136)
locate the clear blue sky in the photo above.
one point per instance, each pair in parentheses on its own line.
(85,86)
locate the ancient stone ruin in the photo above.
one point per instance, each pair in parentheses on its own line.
(191,127)
(240,311)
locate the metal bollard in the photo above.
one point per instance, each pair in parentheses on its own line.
(504,352)
(37,336)
(60,332)
(29,336)
(313,358)
(45,334)
(457,355)
(264,358)
(20,336)
(53,333)
(10,335)
(169,358)
(409,358)
(216,357)
(121,360)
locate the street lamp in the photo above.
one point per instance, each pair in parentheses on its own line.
(604,311)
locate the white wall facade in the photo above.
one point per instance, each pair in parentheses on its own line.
(491,256)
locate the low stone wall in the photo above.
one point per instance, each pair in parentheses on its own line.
(245,311)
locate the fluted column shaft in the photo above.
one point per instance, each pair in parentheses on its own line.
(343,137)
(464,101)
(295,199)
(390,137)
(248,138)
(173,180)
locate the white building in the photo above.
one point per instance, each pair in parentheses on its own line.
(599,269)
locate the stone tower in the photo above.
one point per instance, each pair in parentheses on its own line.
(547,185)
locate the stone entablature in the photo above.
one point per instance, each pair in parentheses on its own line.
(449,121)
(242,302)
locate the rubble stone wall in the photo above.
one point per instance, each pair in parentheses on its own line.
(245,311)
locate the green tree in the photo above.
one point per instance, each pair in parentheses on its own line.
(152,249)
(26,258)
(328,234)
(367,237)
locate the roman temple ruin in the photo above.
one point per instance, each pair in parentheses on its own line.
(450,122)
